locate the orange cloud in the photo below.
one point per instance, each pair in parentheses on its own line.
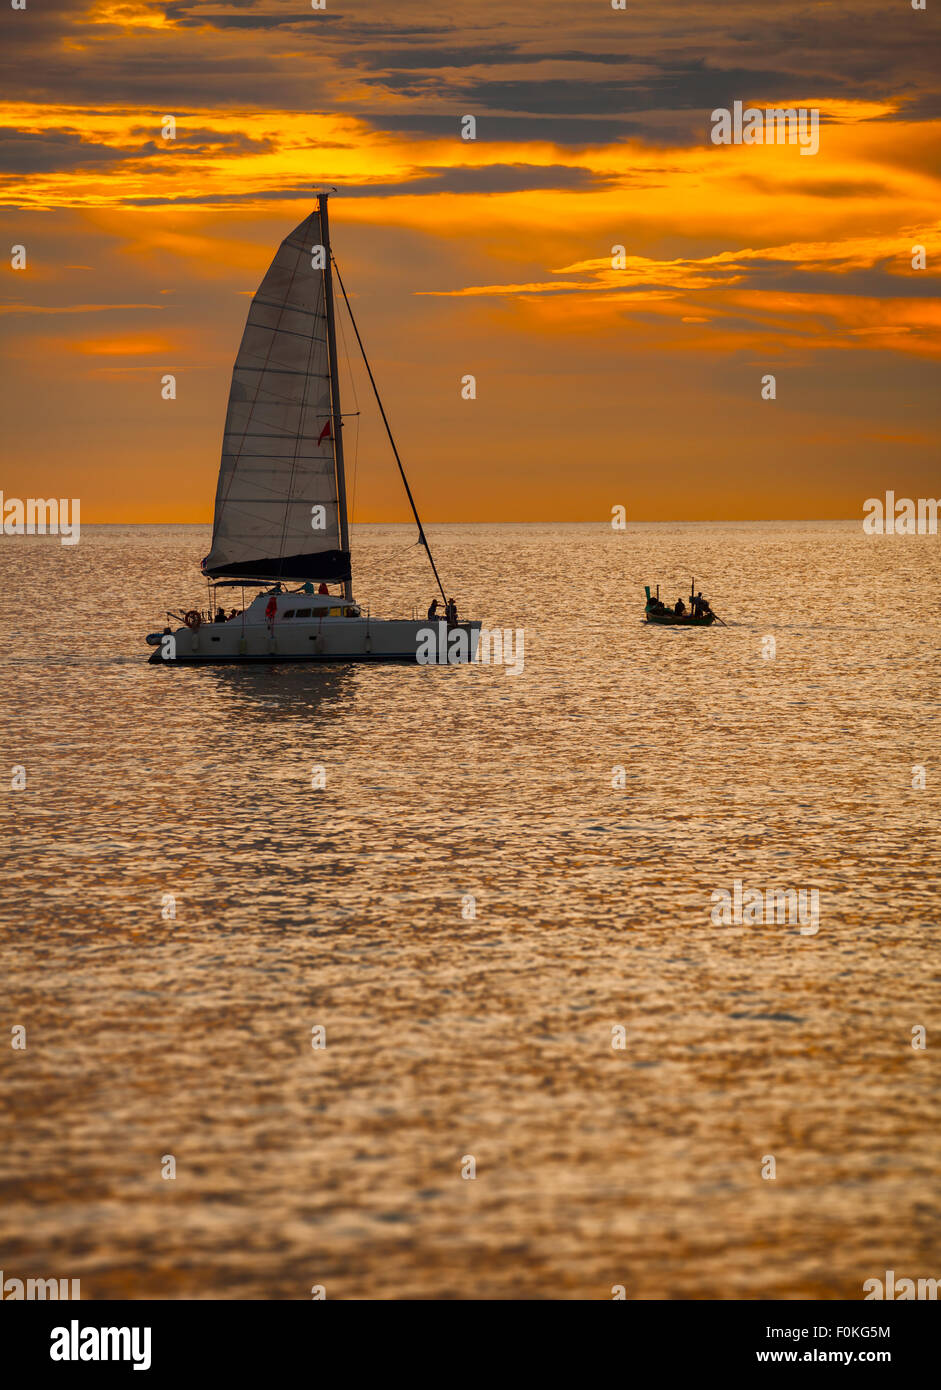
(127,345)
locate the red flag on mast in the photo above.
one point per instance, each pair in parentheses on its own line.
(325,432)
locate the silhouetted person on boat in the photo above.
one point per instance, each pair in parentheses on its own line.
(220,615)
(451,611)
(679,608)
(433,610)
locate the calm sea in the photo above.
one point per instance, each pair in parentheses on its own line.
(471,907)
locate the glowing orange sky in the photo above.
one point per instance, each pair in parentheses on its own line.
(636,384)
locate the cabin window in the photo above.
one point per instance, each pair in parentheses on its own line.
(336,612)
(288,614)
(303,612)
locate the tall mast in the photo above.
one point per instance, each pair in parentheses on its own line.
(337,423)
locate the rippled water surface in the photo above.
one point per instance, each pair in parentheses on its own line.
(450,1036)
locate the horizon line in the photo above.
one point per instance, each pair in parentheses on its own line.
(647,521)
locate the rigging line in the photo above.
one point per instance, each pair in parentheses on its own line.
(372,381)
(352,379)
(355,467)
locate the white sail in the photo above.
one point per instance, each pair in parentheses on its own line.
(276,512)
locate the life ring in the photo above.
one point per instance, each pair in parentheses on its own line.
(192,619)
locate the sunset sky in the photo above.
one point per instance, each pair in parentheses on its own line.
(595,386)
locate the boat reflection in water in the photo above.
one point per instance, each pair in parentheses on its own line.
(291,693)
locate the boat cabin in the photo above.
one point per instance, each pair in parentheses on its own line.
(299,606)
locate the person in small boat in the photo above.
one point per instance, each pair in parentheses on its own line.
(433,610)
(656,607)
(700,606)
(679,608)
(450,611)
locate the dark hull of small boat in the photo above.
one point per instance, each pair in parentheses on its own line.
(681,620)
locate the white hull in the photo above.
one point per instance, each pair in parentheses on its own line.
(316,640)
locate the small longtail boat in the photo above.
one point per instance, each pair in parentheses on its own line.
(655,612)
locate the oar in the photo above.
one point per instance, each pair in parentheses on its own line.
(692,586)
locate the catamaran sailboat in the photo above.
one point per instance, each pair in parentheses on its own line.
(280,524)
